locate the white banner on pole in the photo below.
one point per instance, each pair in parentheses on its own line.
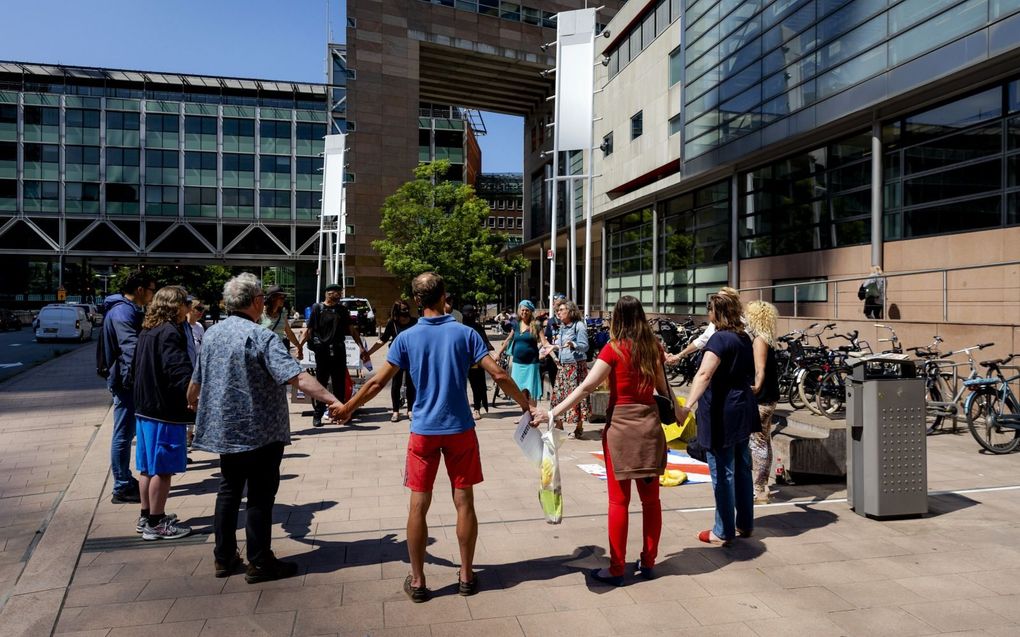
(333,176)
(575,36)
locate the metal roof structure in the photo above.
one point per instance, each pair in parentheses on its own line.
(159,78)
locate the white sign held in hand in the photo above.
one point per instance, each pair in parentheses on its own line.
(529,439)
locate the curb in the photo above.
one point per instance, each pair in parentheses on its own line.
(38,598)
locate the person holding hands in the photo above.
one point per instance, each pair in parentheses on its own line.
(438,352)
(633,442)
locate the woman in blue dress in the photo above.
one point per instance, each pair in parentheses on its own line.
(524,341)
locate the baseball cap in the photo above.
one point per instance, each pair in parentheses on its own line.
(274,290)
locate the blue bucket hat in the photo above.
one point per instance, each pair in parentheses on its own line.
(526,304)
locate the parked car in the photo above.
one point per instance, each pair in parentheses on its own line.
(9,321)
(362,314)
(62,322)
(91,312)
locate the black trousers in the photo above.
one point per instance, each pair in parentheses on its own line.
(872,308)
(476,378)
(402,377)
(331,369)
(259,469)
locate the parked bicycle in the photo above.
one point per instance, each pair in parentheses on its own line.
(993,410)
(830,395)
(944,383)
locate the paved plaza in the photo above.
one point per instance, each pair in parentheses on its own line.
(812,568)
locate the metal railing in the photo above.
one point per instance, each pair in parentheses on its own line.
(943,273)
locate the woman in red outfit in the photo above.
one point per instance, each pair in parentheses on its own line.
(633,442)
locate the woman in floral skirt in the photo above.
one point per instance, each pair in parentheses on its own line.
(571,350)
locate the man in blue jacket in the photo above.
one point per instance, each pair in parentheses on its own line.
(123,314)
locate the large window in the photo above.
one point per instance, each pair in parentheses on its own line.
(692,257)
(813,201)
(646,28)
(748,64)
(955,167)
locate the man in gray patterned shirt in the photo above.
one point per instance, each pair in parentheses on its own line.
(239,391)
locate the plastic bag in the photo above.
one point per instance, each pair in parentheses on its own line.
(679,434)
(672,478)
(549,494)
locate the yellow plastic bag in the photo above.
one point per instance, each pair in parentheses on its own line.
(672,478)
(682,432)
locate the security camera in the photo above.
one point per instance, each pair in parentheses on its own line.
(605,60)
(547,72)
(607,34)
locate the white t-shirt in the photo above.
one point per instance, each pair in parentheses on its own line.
(197,332)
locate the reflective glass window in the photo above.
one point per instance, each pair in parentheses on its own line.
(42,115)
(239,127)
(158,123)
(938,30)
(8,114)
(81,155)
(47,153)
(852,43)
(195,125)
(122,121)
(81,118)
(849,16)
(199,161)
(236,162)
(661,16)
(676,65)
(274,129)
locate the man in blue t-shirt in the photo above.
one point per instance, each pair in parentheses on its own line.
(438,352)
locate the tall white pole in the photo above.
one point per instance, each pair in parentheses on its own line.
(572,242)
(555,189)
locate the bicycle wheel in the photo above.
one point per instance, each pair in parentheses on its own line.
(808,387)
(793,396)
(982,409)
(932,394)
(831,395)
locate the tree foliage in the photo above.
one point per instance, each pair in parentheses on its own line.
(431,224)
(204,282)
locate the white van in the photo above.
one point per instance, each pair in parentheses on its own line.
(62,322)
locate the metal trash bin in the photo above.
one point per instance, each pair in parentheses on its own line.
(887,467)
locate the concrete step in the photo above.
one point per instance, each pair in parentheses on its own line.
(808,447)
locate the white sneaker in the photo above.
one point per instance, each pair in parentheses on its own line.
(142,521)
(167,529)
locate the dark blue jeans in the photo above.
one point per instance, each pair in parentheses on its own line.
(733,487)
(123,435)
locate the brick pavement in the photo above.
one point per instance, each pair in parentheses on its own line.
(49,415)
(813,567)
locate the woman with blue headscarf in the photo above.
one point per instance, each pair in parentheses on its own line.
(524,341)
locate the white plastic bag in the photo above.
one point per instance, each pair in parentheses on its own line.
(549,494)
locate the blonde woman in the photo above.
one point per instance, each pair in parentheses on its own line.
(761,325)
(524,341)
(160,372)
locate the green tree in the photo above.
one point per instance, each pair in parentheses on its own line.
(203,282)
(432,224)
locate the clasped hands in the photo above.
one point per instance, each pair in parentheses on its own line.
(339,412)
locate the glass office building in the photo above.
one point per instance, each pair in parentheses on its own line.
(101,167)
(763,126)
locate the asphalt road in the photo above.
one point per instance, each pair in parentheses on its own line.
(19,351)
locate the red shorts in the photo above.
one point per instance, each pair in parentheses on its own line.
(460,451)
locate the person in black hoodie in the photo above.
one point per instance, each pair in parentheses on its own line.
(160,375)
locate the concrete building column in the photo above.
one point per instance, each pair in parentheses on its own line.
(876,194)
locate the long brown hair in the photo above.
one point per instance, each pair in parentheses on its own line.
(629,324)
(727,313)
(165,305)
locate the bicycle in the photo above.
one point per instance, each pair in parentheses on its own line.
(814,365)
(986,408)
(942,379)
(893,340)
(830,396)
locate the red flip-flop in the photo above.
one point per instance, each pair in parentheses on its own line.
(706,537)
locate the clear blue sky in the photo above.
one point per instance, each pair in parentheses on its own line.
(268,39)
